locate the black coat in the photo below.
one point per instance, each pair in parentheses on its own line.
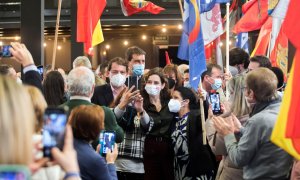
(201,157)
(103,95)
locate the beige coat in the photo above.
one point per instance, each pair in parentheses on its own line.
(227,170)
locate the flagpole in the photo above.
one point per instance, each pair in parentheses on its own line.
(227,46)
(181,9)
(56,34)
(202,116)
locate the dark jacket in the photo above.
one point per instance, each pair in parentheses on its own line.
(110,122)
(92,166)
(103,95)
(33,78)
(201,157)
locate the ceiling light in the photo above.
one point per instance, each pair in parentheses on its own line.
(143,25)
(59,47)
(17,38)
(1,43)
(163,25)
(179,26)
(125,25)
(125,43)
(164,30)
(144,37)
(45,44)
(107,46)
(104,53)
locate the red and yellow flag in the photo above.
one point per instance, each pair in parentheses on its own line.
(286,133)
(130,7)
(279,54)
(255,15)
(88,23)
(263,39)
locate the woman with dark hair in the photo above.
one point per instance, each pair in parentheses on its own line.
(193,159)
(156,120)
(54,88)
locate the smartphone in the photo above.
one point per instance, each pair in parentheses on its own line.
(107,141)
(14,172)
(5,51)
(215,103)
(133,81)
(55,120)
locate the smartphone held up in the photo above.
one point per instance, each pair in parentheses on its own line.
(4,51)
(55,120)
(107,141)
(214,98)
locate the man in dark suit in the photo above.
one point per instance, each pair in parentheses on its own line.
(80,84)
(121,98)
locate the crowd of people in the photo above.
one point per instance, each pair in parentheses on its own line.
(164,129)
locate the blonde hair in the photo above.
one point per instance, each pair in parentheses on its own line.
(16,123)
(39,105)
(239,105)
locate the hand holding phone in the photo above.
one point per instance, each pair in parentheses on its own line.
(55,120)
(107,142)
(5,51)
(215,103)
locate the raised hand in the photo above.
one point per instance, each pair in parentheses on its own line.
(21,54)
(128,97)
(223,126)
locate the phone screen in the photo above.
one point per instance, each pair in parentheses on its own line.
(5,51)
(14,172)
(12,176)
(55,120)
(215,103)
(107,141)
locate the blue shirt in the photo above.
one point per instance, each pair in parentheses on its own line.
(92,166)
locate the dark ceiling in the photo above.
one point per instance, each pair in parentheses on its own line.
(112,16)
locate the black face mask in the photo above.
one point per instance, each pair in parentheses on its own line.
(171,83)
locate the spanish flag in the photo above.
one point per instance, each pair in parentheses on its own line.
(286,133)
(88,23)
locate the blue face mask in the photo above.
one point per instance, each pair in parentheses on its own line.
(138,69)
(217,84)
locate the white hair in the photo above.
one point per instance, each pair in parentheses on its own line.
(181,68)
(80,81)
(82,61)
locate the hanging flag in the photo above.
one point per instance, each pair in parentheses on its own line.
(279,55)
(207,5)
(255,15)
(211,23)
(271,5)
(286,133)
(278,16)
(242,41)
(191,45)
(168,61)
(130,7)
(263,39)
(88,23)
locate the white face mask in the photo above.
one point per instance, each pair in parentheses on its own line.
(186,84)
(152,89)
(117,80)
(174,105)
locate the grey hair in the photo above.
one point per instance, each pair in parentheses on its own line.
(80,81)
(82,61)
